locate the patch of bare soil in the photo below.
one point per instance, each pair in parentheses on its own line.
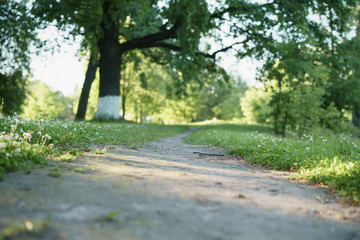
(172,190)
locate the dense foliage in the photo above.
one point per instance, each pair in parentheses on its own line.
(113,28)
(17,33)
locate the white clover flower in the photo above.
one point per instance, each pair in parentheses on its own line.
(39,133)
(51,145)
(65,127)
(47,136)
(16,121)
(17,150)
(27,136)
(3,145)
(307,149)
(13,127)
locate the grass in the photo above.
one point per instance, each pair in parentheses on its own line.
(19,230)
(332,160)
(26,143)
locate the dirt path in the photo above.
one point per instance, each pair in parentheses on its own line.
(171,190)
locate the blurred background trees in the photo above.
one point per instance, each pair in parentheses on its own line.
(169,60)
(17,35)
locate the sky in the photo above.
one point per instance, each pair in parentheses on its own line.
(64,71)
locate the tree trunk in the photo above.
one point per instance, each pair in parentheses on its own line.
(283,131)
(89,79)
(123,105)
(356,116)
(110,66)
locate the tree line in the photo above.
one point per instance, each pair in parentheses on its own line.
(309,50)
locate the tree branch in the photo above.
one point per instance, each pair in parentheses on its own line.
(220,14)
(149,40)
(178,49)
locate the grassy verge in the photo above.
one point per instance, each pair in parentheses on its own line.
(25,143)
(332,160)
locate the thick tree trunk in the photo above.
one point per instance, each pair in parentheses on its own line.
(110,66)
(89,79)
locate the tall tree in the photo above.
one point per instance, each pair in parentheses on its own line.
(89,79)
(306,65)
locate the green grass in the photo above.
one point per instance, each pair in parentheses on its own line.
(25,143)
(20,230)
(333,160)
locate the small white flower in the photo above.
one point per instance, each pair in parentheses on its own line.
(307,149)
(27,136)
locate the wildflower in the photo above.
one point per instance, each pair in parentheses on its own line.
(47,136)
(39,133)
(65,127)
(13,128)
(307,149)
(17,121)
(27,136)
(17,150)
(3,145)
(51,145)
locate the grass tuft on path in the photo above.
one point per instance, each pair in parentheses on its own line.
(25,143)
(333,160)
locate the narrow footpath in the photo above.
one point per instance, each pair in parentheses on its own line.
(169,190)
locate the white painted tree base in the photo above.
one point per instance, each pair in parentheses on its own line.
(108,107)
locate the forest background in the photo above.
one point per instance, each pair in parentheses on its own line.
(309,76)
